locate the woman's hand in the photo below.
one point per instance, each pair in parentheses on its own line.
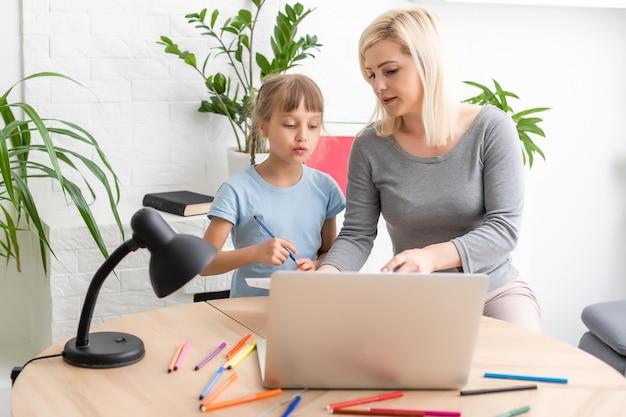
(425,260)
(412,260)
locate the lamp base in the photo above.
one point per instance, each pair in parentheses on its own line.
(105,350)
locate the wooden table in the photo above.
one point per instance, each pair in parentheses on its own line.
(50,387)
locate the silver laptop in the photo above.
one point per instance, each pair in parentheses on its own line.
(371,330)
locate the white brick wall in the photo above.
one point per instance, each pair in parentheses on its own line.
(139,103)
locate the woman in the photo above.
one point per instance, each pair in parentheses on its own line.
(447,177)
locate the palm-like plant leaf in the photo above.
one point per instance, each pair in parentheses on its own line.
(524,124)
(20,142)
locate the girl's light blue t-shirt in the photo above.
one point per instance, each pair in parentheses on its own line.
(296,213)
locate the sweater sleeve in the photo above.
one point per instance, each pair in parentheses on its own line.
(503,186)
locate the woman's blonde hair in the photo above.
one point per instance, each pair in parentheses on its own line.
(284,93)
(418,33)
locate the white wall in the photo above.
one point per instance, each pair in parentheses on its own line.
(568,58)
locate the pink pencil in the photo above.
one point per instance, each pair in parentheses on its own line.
(181,355)
(425,412)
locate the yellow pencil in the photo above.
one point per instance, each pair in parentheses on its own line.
(217,391)
(238,346)
(242,400)
(240,356)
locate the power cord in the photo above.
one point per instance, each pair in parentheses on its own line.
(15,372)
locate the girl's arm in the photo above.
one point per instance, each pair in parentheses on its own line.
(273,251)
(329,233)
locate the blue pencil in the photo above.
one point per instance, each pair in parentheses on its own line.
(292,406)
(269,232)
(527,378)
(211,382)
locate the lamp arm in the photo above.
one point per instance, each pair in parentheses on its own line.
(82,337)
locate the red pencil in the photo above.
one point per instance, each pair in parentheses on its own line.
(358,401)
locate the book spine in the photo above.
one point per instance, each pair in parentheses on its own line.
(163,205)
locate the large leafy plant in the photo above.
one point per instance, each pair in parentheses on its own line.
(232,94)
(30,149)
(525,125)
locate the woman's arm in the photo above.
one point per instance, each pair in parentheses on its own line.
(354,243)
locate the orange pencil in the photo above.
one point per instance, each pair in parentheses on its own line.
(241,400)
(181,355)
(175,358)
(238,346)
(240,356)
(217,391)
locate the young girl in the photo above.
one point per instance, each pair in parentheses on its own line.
(279,197)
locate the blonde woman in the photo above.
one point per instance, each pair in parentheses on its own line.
(446,177)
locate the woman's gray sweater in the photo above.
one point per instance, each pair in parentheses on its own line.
(472,195)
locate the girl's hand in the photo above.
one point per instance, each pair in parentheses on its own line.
(305,264)
(274,251)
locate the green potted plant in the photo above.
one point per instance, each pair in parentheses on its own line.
(29,149)
(232,94)
(525,125)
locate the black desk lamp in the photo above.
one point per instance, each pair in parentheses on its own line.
(175,260)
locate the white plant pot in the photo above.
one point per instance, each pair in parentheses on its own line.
(239,161)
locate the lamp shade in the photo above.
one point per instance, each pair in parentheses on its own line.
(175,258)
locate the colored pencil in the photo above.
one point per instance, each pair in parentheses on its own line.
(212,382)
(292,406)
(217,391)
(240,356)
(175,358)
(425,412)
(270,234)
(210,356)
(515,412)
(495,390)
(365,400)
(527,378)
(242,400)
(181,355)
(238,346)
(283,402)
(347,411)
